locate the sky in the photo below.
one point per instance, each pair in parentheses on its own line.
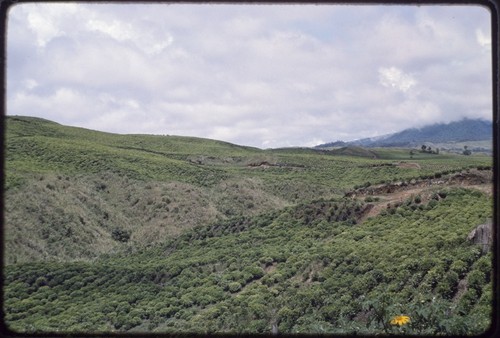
(259,75)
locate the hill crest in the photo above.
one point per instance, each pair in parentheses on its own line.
(464,130)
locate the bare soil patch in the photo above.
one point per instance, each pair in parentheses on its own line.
(397,193)
(408,165)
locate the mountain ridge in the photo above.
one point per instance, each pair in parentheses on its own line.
(457,131)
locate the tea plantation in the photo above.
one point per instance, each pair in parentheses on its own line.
(165,234)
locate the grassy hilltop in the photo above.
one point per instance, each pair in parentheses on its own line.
(180,234)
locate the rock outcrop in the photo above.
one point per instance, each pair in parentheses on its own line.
(482,235)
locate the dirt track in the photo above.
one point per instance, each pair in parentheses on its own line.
(397,193)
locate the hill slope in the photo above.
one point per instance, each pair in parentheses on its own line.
(458,131)
(304,269)
(137,233)
(73,193)
(355,151)
(68,190)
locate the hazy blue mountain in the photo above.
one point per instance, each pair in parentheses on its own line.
(458,131)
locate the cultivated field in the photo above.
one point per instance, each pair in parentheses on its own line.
(139,233)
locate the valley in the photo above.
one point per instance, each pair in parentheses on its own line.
(168,234)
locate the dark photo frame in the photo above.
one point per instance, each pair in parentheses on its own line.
(259,168)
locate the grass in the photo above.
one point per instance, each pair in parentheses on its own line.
(146,233)
(205,180)
(35,145)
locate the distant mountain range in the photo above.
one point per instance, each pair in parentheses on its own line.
(459,131)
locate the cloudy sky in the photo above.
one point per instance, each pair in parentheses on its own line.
(260,75)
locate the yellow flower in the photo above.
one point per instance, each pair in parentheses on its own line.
(400,320)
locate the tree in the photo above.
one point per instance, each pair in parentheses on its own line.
(466,151)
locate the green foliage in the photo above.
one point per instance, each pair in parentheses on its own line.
(68,189)
(180,235)
(245,274)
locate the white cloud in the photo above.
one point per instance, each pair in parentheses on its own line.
(258,75)
(115,29)
(63,105)
(483,40)
(46,22)
(396,78)
(44,28)
(30,84)
(144,37)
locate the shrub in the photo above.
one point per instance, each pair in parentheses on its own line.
(467,301)
(476,279)
(442,194)
(432,204)
(448,286)
(234,287)
(266,260)
(460,267)
(120,235)
(483,264)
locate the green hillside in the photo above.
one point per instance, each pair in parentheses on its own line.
(355,151)
(141,233)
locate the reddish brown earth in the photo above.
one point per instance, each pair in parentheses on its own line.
(396,193)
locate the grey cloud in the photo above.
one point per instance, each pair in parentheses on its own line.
(256,75)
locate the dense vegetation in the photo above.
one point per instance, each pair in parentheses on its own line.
(171,234)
